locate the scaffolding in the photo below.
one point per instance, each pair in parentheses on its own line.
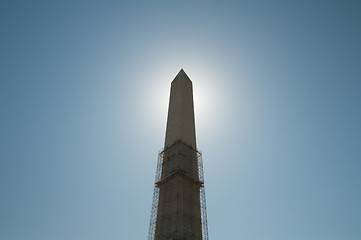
(202,197)
(153,216)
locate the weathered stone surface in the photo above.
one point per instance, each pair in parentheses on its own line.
(179,213)
(180,123)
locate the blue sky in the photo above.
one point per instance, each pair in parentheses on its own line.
(84,89)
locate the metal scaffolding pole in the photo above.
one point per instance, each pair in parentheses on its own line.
(153,215)
(202,197)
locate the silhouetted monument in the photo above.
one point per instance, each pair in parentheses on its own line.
(179,207)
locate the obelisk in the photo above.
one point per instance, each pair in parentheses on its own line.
(179,212)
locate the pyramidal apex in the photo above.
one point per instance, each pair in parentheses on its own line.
(182,75)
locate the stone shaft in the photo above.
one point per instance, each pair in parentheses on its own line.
(179,213)
(180,122)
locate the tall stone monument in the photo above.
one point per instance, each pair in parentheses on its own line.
(179,203)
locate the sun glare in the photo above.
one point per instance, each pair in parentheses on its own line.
(208,94)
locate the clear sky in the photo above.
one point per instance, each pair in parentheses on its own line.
(84,88)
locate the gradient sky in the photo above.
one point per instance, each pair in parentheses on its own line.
(84,88)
